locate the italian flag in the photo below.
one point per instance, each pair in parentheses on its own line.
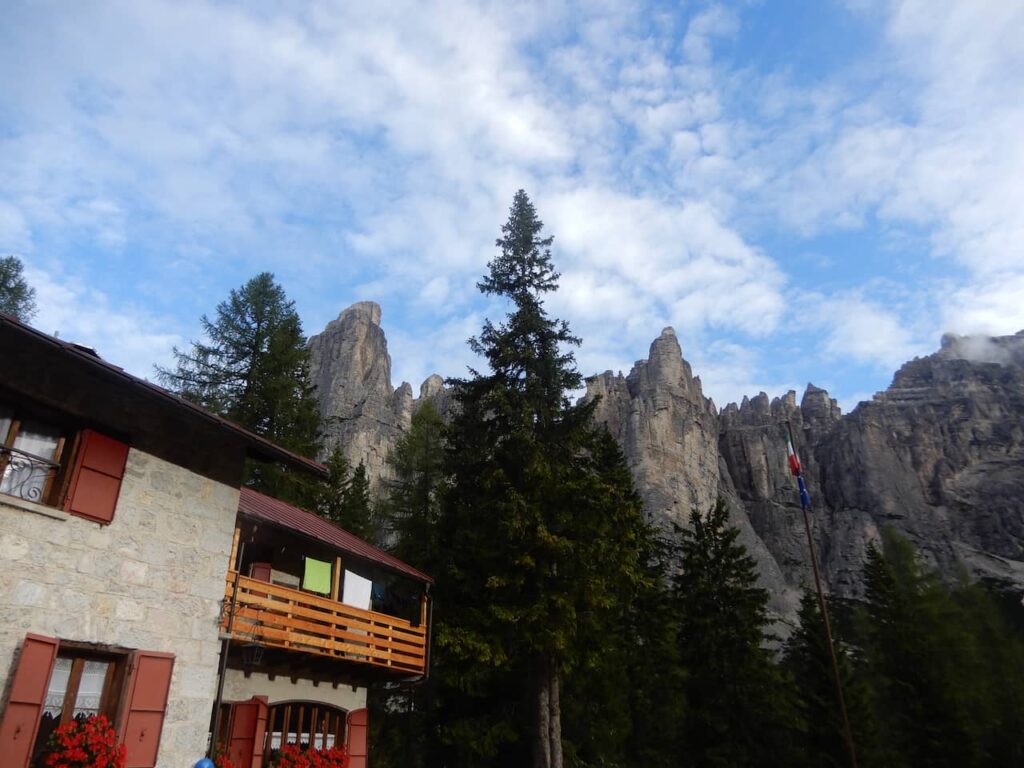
(794,462)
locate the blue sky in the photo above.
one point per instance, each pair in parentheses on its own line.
(806,190)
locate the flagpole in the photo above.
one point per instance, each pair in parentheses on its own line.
(805,503)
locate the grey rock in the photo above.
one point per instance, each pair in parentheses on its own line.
(351,369)
(362,411)
(669,433)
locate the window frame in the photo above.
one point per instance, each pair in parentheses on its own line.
(112,697)
(62,461)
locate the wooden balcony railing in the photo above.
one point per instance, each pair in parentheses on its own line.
(281,617)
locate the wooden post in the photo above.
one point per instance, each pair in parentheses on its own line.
(335,586)
(335,595)
(233,564)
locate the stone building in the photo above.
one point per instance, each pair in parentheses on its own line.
(139,581)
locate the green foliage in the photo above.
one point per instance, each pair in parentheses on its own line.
(947,673)
(740,707)
(344,498)
(330,503)
(540,529)
(356,510)
(412,499)
(17,297)
(809,664)
(254,370)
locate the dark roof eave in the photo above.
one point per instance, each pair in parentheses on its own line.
(258,446)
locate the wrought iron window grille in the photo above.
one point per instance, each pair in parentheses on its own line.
(25,475)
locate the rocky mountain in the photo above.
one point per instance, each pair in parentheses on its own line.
(351,369)
(939,455)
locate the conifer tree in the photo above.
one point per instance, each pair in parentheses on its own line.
(17,297)
(809,664)
(254,370)
(330,502)
(519,520)
(413,494)
(740,710)
(406,724)
(356,512)
(933,677)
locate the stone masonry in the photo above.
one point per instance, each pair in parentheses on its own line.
(151,580)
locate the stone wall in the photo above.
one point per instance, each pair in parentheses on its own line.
(150,580)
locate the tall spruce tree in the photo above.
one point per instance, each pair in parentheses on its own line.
(17,297)
(525,568)
(740,708)
(254,370)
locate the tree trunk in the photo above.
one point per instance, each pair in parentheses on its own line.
(542,737)
(555,716)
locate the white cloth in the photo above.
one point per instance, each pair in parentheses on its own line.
(357,591)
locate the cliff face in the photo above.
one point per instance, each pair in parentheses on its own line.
(351,369)
(939,455)
(670,434)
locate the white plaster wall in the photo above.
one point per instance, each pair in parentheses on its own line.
(239,688)
(150,580)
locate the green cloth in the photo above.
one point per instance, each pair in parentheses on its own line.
(318,576)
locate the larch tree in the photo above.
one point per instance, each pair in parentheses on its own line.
(524,523)
(253,368)
(17,297)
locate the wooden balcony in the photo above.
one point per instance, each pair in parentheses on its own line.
(293,620)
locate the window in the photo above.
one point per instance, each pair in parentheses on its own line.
(31,452)
(42,460)
(81,684)
(59,681)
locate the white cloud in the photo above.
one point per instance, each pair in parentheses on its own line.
(128,337)
(374,150)
(867,333)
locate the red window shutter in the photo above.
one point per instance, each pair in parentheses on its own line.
(143,715)
(96,478)
(247,732)
(20,722)
(358,726)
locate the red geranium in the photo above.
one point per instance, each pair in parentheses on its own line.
(88,743)
(293,756)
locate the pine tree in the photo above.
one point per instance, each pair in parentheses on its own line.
(412,496)
(519,521)
(356,512)
(406,723)
(740,710)
(17,297)
(254,370)
(936,689)
(808,661)
(330,502)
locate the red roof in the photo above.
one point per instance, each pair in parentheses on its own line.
(272,510)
